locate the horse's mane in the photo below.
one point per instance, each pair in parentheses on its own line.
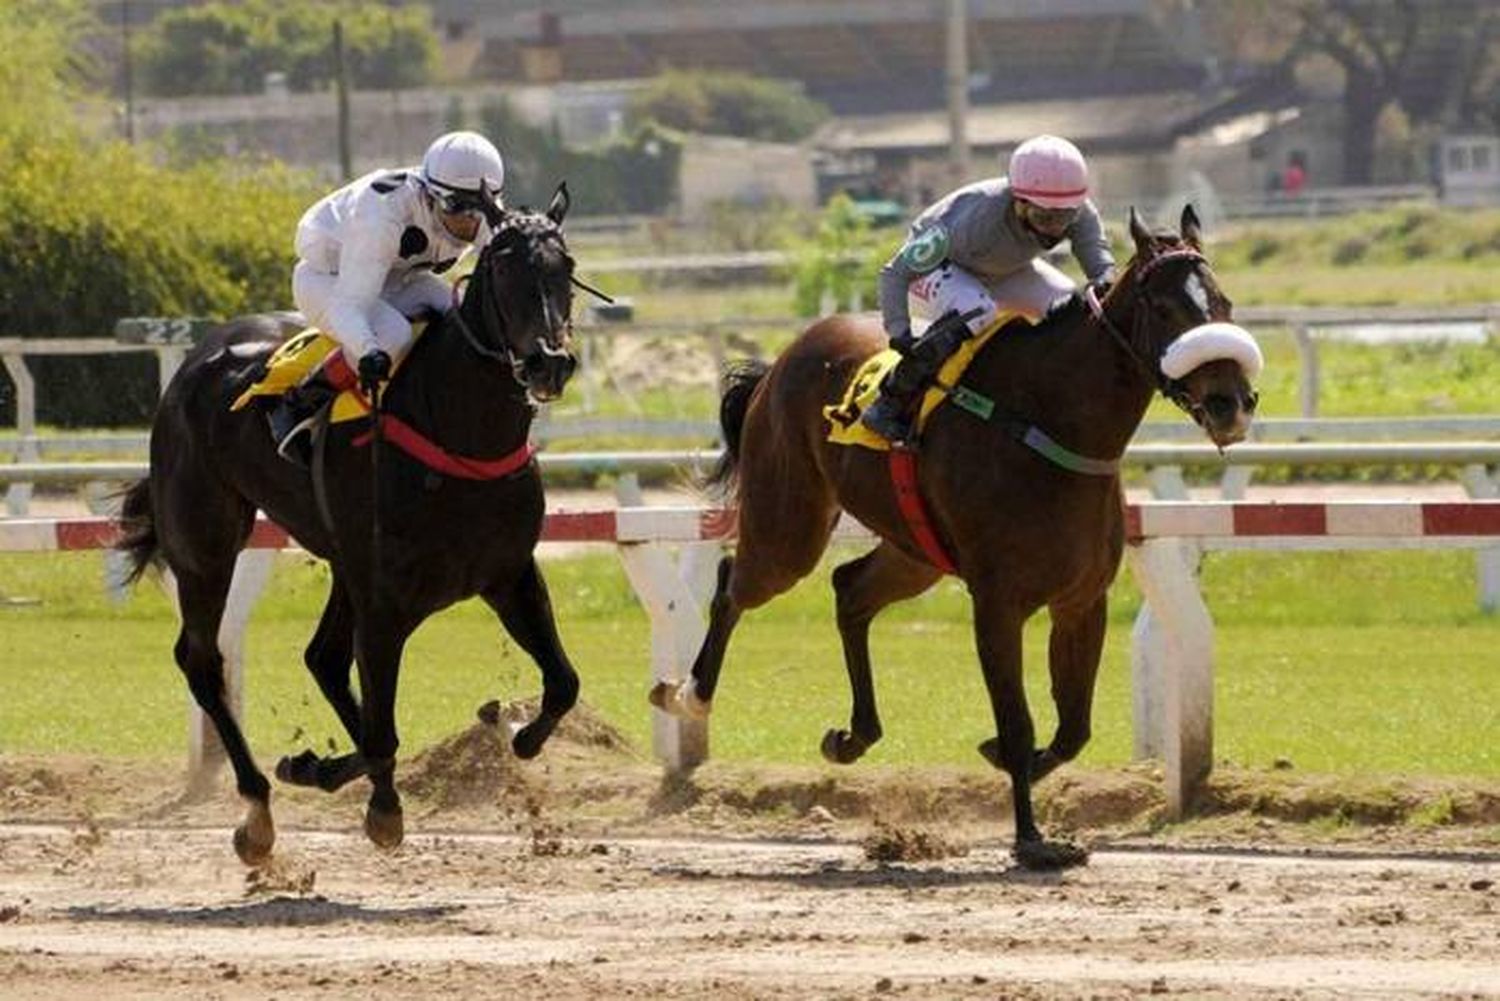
(1064,312)
(538,230)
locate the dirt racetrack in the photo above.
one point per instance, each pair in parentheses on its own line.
(167,913)
(562,878)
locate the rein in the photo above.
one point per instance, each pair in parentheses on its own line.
(1172,389)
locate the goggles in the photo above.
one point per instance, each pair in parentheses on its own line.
(456,201)
(1051,220)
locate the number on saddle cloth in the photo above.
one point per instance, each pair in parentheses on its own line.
(289,364)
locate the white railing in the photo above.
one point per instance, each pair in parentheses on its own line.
(669,555)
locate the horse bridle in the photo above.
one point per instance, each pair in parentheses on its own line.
(1172,389)
(506,354)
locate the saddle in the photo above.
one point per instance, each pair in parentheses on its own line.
(296,358)
(844,427)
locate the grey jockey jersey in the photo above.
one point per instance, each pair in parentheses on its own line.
(373,234)
(975,228)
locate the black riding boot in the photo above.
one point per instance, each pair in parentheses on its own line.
(296,414)
(890,416)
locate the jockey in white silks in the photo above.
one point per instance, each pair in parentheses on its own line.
(976,253)
(369,257)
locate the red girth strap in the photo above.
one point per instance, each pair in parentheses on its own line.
(914,510)
(435,457)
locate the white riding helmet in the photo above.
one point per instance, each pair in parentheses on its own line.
(1050,172)
(462,163)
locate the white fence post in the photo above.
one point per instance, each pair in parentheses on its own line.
(1164,568)
(1308,385)
(1480,485)
(18,497)
(671,593)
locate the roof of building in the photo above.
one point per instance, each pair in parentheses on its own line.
(1124,121)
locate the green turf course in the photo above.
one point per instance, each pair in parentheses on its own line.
(1339,662)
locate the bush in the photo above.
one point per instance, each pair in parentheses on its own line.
(228,48)
(732,104)
(844,255)
(91,233)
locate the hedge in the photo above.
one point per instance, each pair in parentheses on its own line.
(91,232)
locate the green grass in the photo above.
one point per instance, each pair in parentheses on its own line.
(1340,662)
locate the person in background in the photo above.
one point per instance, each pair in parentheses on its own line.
(369,257)
(1294,176)
(976,253)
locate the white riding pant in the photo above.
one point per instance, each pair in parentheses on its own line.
(403,296)
(1030,290)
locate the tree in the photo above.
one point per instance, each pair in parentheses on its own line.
(732,104)
(40,73)
(1391,53)
(228,48)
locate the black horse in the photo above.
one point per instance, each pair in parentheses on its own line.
(405,537)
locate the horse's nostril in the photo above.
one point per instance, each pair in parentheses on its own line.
(1251,402)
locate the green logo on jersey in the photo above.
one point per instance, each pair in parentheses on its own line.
(926,250)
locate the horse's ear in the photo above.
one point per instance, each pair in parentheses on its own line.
(1192,230)
(494,214)
(561,200)
(1139,233)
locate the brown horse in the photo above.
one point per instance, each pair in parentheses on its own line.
(1022,530)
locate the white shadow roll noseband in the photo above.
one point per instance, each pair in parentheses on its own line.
(1211,342)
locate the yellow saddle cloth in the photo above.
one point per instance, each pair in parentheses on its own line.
(296,358)
(844,427)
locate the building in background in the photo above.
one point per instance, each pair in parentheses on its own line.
(1138,84)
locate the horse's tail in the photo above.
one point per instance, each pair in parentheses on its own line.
(138,540)
(740,380)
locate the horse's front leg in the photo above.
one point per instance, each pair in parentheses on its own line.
(328,658)
(525,609)
(379,638)
(862,588)
(1074,649)
(997,626)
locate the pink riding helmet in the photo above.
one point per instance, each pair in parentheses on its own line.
(1050,172)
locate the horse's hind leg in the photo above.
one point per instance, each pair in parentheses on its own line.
(864,587)
(201,597)
(328,657)
(525,609)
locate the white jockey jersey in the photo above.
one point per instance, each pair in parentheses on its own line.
(372,234)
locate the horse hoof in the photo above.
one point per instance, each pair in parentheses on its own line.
(843,748)
(254,838)
(680,699)
(301,770)
(528,741)
(989,750)
(384,828)
(1047,856)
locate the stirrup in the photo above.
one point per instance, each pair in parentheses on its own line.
(296,444)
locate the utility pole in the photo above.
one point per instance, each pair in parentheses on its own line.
(958,90)
(341,88)
(129,71)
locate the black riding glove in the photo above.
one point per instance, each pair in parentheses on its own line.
(903,342)
(1102,285)
(374,370)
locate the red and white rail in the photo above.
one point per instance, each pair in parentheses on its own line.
(1214,520)
(670,553)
